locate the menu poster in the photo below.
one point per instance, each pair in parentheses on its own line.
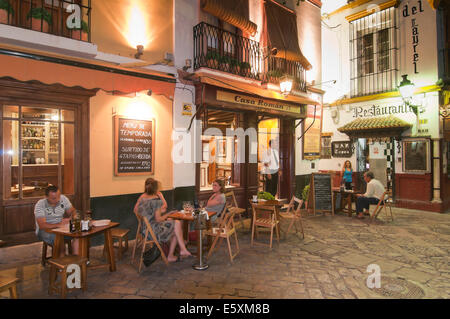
(312,137)
(134,146)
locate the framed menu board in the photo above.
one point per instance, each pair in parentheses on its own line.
(134,147)
(416,154)
(311,139)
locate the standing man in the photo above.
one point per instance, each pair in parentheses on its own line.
(53,211)
(271,168)
(373,194)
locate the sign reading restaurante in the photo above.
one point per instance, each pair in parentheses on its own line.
(258,102)
(376,110)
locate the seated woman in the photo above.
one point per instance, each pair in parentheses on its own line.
(150,205)
(217,200)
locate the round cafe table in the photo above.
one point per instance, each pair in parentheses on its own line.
(347,197)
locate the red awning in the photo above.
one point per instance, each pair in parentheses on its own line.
(107,79)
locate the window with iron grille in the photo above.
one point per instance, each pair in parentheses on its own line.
(373,51)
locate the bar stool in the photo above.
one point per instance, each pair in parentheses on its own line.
(9,283)
(59,265)
(121,235)
(44,257)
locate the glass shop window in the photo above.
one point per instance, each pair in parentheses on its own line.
(38,150)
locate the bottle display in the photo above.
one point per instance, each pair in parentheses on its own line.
(40,141)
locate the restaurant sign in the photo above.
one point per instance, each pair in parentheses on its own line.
(260,103)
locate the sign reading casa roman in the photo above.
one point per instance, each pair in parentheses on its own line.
(260,103)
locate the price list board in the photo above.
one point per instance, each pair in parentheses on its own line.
(134,146)
(321,189)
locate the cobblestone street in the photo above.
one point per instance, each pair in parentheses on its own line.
(331,262)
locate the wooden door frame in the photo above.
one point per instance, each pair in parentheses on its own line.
(33,92)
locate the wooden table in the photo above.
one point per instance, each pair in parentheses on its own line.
(190,218)
(84,242)
(345,196)
(25,190)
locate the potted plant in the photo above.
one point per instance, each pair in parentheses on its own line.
(305,195)
(6,11)
(81,33)
(235,66)
(225,61)
(212,59)
(245,68)
(39,17)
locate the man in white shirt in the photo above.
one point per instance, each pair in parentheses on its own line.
(271,170)
(373,194)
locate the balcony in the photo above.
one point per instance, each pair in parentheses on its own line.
(65,18)
(221,50)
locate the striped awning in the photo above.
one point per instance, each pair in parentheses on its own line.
(234,12)
(385,126)
(282,34)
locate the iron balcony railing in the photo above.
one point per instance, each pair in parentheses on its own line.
(66,18)
(218,49)
(221,50)
(277,67)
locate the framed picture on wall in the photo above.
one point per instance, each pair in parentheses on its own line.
(416,155)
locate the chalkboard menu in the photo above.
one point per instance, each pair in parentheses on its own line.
(341,149)
(134,146)
(321,192)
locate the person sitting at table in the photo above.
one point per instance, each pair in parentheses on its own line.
(148,181)
(347,174)
(372,195)
(150,206)
(217,200)
(53,211)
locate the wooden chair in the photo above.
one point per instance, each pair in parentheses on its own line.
(144,241)
(44,257)
(11,284)
(232,204)
(266,217)
(59,265)
(224,229)
(121,235)
(294,215)
(387,202)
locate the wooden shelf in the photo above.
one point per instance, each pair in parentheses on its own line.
(33,150)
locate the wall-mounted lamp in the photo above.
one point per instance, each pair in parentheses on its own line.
(406,89)
(285,84)
(140,51)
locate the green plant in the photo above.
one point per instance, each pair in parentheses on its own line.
(40,13)
(275,73)
(245,65)
(84,27)
(5,5)
(266,196)
(305,193)
(234,63)
(225,59)
(212,55)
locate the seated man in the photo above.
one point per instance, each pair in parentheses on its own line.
(373,194)
(54,211)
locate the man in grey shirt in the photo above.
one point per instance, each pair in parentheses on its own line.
(372,195)
(53,211)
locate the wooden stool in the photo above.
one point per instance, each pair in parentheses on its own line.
(122,236)
(60,265)
(9,283)
(44,257)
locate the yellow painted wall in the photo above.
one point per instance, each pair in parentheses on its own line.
(103,182)
(119,25)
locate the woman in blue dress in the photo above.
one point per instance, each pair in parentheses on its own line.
(149,205)
(347,174)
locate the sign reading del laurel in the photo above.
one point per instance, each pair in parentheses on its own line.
(134,146)
(257,102)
